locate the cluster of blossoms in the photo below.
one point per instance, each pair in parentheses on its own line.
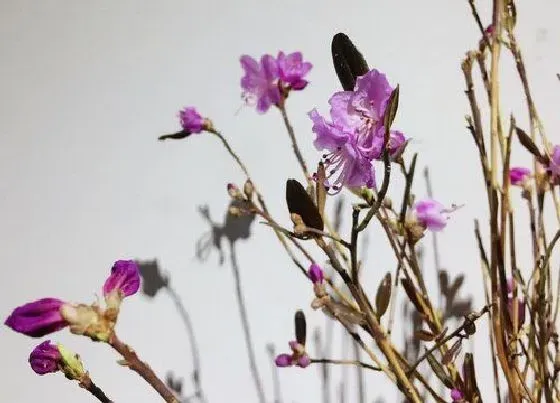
(265,83)
(268,81)
(355,136)
(48,315)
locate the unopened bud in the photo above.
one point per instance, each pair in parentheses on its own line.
(387,203)
(70,364)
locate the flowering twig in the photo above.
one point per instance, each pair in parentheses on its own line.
(132,361)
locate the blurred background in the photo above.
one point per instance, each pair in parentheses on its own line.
(88,86)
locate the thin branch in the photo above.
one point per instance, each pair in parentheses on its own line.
(141,368)
(344,362)
(297,151)
(95,390)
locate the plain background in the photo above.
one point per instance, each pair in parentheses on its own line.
(86,88)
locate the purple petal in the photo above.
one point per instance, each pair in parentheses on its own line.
(430,214)
(37,318)
(328,137)
(456,394)
(315,274)
(517,175)
(124,276)
(191,121)
(377,88)
(303,361)
(45,358)
(292,69)
(342,112)
(269,67)
(283,360)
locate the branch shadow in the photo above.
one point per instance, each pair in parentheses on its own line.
(155,281)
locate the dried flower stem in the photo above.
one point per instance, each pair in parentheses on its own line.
(141,368)
(95,390)
(457,332)
(345,362)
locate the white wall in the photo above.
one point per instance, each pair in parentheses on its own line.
(86,88)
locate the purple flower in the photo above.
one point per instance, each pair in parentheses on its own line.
(259,82)
(315,274)
(191,121)
(554,164)
(125,276)
(457,395)
(518,175)
(355,135)
(283,360)
(299,357)
(45,358)
(292,69)
(431,214)
(397,143)
(37,318)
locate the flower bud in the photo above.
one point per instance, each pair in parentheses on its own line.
(45,358)
(71,365)
(283,360)
(124,278)
(315,274)
(38,318)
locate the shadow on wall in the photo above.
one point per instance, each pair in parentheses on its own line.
(233,228)
(154,281)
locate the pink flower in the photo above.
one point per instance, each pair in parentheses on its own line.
(431,214)
(260,81)
(191,121)
(292,69)
(518,175)
(298,357)
(125,277)
(45,358)
(38,318)
(355,136)
(554,164)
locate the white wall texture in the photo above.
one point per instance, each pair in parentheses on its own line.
(87,86)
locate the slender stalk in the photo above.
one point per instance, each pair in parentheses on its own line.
(141,368)
(95,390)
(358,363)
(297,151)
